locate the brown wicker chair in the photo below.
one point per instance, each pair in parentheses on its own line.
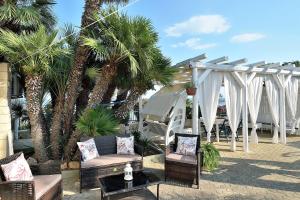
(182,167)
(46,184)
(109,163)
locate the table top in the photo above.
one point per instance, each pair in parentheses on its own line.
(116,184)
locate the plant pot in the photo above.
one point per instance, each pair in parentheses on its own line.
(191,91)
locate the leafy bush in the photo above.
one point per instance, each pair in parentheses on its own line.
(145,142)
(211,156)
(189,85)
(137,136)
(97,121)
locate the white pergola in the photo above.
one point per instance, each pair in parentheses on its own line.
(243,74)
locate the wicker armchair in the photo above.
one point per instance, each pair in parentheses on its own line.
(182,167)
(46,184)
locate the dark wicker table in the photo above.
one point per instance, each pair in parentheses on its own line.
(115,187)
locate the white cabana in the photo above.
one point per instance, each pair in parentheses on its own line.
(243,92)
(258,90)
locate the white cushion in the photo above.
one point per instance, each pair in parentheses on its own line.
(182,158)
(125,145)
(17,170)
(88,149)
(111,159)
(186,146)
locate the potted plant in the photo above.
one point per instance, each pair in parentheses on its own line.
(211,156)
(190,88)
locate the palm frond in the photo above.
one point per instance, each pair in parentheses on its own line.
(97,121)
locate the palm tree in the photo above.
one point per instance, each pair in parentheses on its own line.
(118,41)
(20,15)
(159,73)
(56,83)
(33,53)
(81,54)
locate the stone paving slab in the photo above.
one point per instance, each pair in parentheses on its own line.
(268,172)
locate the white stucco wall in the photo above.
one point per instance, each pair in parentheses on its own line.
(5,120)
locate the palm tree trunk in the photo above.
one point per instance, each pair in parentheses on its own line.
(76,74)
(108,72)
(34,84)
(83,97)
(56,137)
(122,112)
(109,93)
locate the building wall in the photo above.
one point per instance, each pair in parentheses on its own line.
(5,120)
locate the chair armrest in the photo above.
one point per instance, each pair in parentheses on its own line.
(139,149)
(15,189)
(46,168)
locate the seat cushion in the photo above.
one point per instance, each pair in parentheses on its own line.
(107,160)
(44,183)
(182,158)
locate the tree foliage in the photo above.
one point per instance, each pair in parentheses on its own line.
(32,52)
(27,15)
(97,121)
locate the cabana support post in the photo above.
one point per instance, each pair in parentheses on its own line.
(245,113)
(195,121)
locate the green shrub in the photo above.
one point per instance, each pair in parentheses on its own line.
(211,156)
(137,136)
(189,85)
(97,121)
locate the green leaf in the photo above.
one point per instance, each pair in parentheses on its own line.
(97,121)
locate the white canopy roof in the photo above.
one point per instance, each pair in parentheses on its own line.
(161,103)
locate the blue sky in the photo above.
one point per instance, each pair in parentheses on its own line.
(254,29)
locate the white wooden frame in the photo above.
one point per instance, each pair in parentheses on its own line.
(244,75)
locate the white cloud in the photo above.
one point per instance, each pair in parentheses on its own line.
(194,43)
(247,37)
(199,24)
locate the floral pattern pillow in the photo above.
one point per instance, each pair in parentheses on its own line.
(17,170)
(88,149)
(125,145)
(186,146)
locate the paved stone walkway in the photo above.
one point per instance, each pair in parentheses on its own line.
(268,172)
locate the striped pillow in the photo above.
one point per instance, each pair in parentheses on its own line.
(17,170)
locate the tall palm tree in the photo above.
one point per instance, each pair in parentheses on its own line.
(56,83)
(159,73)
(81,54)
(116,40)
(33,53)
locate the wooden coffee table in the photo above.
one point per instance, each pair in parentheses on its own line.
(115,187)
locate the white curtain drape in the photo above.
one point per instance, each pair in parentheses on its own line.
(254,97)
(208,97)
(273,99)
(292,98)
(233,100)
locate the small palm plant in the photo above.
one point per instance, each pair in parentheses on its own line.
(211,156)
(97,121)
